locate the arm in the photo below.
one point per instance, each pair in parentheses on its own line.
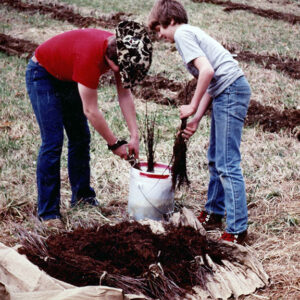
(193,124)
(128,110)
(206,73)
(89,99)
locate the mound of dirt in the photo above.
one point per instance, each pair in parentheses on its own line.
(125,251)
(271,119)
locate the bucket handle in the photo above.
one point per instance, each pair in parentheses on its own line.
(166,215)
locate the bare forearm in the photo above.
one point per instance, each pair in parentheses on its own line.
(93,114)
(200,92)
(203,106)
(205,75)
(129,113)
(98,122)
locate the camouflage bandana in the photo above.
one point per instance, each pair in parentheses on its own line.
(134,49)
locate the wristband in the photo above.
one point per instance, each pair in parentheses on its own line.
(116,145)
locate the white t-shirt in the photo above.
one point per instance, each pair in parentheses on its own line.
(192,42)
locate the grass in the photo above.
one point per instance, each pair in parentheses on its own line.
(133,7)
(271,161)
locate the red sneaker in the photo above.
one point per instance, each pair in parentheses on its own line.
(210,221)
(234,238)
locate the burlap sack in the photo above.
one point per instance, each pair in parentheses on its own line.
(20,279)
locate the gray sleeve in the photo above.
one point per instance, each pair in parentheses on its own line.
(187,45)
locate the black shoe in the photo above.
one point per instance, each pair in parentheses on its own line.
(88,200)
(210,221)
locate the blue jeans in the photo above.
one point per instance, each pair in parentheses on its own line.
(57,106)
(226,190)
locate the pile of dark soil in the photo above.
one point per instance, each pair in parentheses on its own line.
(271,119)
(126,251)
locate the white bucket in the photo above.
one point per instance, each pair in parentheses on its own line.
(150,194)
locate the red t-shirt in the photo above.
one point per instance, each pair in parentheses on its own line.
(76,55)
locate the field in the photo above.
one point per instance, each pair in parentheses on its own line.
(264,36)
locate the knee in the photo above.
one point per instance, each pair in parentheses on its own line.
(79,145)
(52,148)
(229,170)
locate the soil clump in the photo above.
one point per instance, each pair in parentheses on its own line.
(128,256)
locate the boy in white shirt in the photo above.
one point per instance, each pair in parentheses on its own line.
(221,82)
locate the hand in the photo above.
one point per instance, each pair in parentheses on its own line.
(186,111)
(190,129)
(133,148)
(122,151)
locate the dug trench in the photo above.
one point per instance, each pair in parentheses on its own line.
(267,13)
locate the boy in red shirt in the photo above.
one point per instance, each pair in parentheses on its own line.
(62,79)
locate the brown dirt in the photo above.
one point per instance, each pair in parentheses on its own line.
(267,13)
(285,64)
(15,46)
(268,117)
(271,119)
(125,251)
(65,13)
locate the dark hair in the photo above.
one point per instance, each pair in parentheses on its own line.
(111,50)
(164,11)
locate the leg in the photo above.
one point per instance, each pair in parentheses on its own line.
(78,134)
(215,195)
(230,111)
(48,113)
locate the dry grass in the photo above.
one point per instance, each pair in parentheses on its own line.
(271,162)
(285,6)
